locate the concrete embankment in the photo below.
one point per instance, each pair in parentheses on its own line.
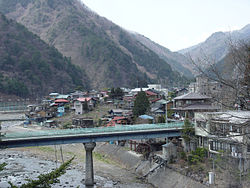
(163,177)
(126,158)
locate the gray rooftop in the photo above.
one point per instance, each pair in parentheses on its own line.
(191,96)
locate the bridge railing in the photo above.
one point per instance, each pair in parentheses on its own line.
(21,105)
(88,131)
(13,106)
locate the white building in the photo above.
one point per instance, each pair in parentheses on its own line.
(79,104)
(155,86)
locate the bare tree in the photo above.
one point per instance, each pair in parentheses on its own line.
(232,74)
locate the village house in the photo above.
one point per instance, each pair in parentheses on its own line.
(119,103)
(118,120)
(169,105)
(219,93)
(151,95)
(40,113)
(145,119)
(83,122)
(180,92)
(66,97)
(159,107)
(79,104)
(185,105)
(61,102)
(136,90)
(77,94)
(225,131)
(206,87)
(192,87)
(154,86)
(128,101)
(53,96)
(120,112)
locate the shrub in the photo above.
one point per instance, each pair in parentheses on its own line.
(201,152)
(193,159)
(183,155)
(197,156)
(2,165)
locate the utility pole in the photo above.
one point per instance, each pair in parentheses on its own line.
(166,112)
(0,130)
(240,170)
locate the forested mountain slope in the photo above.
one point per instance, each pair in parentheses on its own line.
(30,67)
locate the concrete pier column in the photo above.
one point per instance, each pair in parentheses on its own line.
(89,171)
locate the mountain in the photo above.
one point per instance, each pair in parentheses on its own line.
(176,60)
(30,67)
(110,55)
(217,46)
(235,64)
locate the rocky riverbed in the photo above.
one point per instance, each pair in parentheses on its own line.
(23,165)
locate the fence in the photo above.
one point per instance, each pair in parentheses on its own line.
(16,105)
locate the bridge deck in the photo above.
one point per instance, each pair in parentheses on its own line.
(85,135)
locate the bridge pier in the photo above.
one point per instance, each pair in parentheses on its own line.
(89,171)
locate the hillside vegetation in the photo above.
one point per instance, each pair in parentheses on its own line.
(30,67)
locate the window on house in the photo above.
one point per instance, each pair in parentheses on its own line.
(214,145)
(204,125)
(205,142)
(235,128)
(198,123)
(248,148)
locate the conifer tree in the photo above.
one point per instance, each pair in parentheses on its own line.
(141,104)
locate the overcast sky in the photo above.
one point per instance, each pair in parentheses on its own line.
(175,24)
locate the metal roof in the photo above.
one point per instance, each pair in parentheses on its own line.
(62,96)
(146,117)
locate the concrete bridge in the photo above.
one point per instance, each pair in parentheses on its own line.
(89,136)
